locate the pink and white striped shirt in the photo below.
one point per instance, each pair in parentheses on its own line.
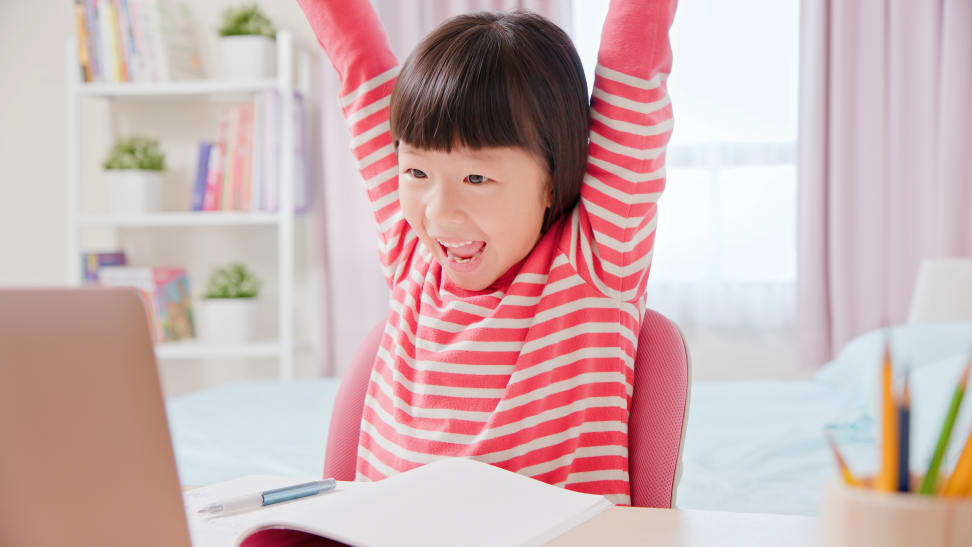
(534,374)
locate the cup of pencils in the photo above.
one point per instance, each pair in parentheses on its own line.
(896,507)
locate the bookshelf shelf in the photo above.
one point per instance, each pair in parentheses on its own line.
(293,75)
(178,219)
(189,88)
(198,350)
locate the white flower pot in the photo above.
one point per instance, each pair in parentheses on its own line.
(134,191)
(226,320)
(248,57)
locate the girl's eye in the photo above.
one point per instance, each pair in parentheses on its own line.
(416,173)
(476,179)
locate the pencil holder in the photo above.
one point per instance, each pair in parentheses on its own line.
(860,517)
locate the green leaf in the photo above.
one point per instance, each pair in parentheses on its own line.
(246,20)
(135,153)
(232,281)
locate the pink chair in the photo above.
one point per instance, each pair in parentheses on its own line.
(656,426)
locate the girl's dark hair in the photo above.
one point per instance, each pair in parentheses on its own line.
(505,79)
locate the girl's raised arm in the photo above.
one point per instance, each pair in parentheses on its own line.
(354,40)
(612,230)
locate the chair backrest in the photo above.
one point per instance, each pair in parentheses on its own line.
(656,427)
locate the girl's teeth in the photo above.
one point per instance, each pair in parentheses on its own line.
(460,244)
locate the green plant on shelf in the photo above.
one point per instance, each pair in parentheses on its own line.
(246,20)
(135,153)
(232,281)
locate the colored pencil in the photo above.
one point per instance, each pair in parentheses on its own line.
(904,433)
(931,477)
(845,471)
(889,429)
(960,483)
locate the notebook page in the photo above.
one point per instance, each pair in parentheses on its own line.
(446,503)
(206,530)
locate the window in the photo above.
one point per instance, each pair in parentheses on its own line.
(725,250)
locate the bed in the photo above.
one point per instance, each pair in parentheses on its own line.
(750,446)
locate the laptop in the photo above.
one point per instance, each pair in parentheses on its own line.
(85,452)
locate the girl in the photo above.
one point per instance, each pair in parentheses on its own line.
(516,226)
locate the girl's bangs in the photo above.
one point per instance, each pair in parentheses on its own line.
(462,94)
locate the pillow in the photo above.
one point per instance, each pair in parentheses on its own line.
(936,356)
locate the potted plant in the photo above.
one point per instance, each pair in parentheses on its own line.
(134,171)
(247,40)
(228,311)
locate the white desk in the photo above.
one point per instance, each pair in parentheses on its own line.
(622,526)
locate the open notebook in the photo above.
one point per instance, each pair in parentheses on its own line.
(449,502)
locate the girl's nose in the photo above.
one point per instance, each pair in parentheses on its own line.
(443,205)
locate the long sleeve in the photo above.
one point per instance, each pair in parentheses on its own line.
(356,44)
(612,231)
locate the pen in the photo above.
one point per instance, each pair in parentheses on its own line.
(904,436)
(268,497)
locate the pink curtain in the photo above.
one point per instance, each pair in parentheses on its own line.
(356,297)
(884,159)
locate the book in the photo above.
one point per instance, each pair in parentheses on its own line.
(199,184)
(245,151)
(242,168)
(214,171)
(84,51)
(91,264)
(452,501)
(135,40)
(165,290)
(230,170)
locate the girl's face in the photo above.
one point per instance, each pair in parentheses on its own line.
(479,211)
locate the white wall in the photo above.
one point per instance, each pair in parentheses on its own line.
(32,142)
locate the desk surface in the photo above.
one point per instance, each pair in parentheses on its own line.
(622,526)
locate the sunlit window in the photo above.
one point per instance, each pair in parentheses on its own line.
(725,250)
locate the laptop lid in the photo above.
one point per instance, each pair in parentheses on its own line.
(86,456)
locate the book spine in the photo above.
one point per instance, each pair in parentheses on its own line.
(135,69)
(138,41)
(107,37)
(84,59)
(273,152)
(246,149)
(256,153)
(214,176)
(229,169)
(92,263)
(91,30)
(199,186)
(156,40)
(120,45)
(239,153)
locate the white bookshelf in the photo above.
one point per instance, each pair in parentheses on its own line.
(286,82)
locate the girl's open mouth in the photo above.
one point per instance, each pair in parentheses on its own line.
(463,256)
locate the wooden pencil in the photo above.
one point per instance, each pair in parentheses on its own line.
(931,477)
(845,471)
(889,443)
(960,483)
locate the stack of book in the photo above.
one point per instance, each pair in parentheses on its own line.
(240,171)
(135,41)
(164,291)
